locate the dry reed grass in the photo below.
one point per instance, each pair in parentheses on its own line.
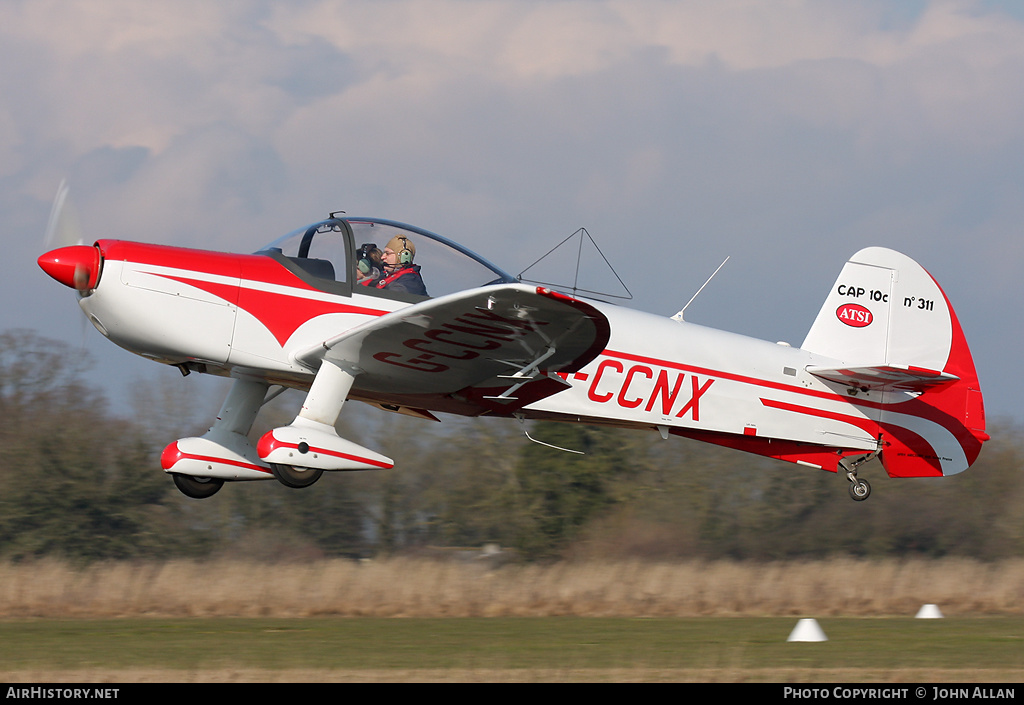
(411,587)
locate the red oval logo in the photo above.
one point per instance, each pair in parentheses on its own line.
(854,315)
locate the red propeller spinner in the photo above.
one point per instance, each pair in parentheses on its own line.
(77,266)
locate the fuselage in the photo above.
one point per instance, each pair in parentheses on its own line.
(681,376)
(249,314)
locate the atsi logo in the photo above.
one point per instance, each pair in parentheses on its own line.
(854,315)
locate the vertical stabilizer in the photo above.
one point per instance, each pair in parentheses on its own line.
(891,328)
(883,309)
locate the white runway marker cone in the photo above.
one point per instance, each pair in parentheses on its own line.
(807,630)
(929,611)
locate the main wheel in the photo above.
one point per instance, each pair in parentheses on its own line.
(860,490)
(197,487)
(295,477)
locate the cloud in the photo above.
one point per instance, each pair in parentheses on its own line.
(787,134)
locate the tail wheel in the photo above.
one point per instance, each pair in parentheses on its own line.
(197,487)
(295,477)
(860,490)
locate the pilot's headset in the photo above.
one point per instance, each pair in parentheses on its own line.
(368,259)
(403,247)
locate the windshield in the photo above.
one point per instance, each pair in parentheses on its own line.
(417,262)
(318,249)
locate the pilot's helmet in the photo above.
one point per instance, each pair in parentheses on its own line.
(403,247)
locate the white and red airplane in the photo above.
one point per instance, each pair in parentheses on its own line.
(884,372)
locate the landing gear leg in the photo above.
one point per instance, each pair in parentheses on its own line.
(327,394)
(859,487)
(299,452)
(200,466)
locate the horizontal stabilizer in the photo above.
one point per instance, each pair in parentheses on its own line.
(905,378)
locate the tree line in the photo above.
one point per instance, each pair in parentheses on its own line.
(81,482)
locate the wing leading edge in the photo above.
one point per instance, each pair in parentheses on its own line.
(492,349)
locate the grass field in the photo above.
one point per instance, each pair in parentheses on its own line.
(859,650)
(420,620)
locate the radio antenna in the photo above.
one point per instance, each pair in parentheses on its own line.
(575,287)
(679,316)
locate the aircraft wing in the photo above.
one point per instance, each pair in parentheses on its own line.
(497,348)
(900,377)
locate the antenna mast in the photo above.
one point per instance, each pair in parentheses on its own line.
(679,316)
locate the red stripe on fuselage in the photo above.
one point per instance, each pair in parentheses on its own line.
(743,379)
(222,264)
(901,443)
(280,312)
(916,456)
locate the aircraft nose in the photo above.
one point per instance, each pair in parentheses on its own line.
(77,266)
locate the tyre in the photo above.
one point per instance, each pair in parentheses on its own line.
(197,487)
(295,477)
(860,490)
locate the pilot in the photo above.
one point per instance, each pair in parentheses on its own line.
(400,274)
(369,264)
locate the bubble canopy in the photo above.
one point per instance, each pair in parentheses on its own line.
(327,255)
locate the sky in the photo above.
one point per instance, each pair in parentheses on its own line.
(785,135)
